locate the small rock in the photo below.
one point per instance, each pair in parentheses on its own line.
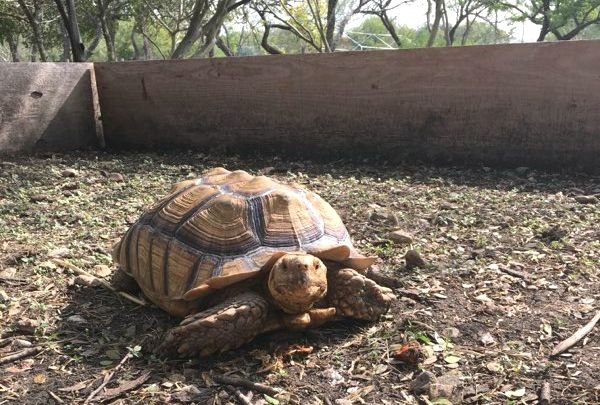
(400,237)
(448,206)
(420,385)
(39,198)
(553,233)
(333,376)
(27,326)
(413,259)
(130,331)
(59,252)
(378,213)
(118,177)
(70,173)
(70,186)
(522,170)
(494,367)
(586,199)
(7,165)
(8,272)
(451,332)
(76,319)
(102,270)
(86,281)
(267,170)
(448,386)
(4,297)
(189,393)
(487,339)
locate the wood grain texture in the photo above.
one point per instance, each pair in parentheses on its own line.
(519,104)
(46,106)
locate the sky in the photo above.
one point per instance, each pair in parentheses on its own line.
(413,15)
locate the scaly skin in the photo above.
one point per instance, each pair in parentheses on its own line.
(222,327)
(357,296)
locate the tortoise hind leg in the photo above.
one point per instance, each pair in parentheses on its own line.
(357,296)
(228,325)
(122,281)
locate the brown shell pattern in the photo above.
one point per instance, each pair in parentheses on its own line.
(224,225)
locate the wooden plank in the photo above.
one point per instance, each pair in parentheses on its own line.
(46,106)
(520,105)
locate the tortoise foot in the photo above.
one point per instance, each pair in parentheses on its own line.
(356,296)
(223,327)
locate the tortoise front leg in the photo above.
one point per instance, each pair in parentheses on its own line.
(357,296)
(225,326)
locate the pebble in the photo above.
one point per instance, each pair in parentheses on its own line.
(118,177)
(4,297)
(413,259)
(27,326)
(86,281)
(400,237)
(70,173)
(102,270)
(586,199)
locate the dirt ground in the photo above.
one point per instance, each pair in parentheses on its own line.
(512,268)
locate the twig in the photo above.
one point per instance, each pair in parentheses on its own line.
(545,396)
(242,398)
(100,281)
(514,273)
(111,393)
(56,397)
(576,337)
(20,355)
(107,378)
(242,382)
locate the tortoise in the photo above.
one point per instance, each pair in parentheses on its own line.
(238,255)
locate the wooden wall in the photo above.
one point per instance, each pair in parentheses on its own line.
(46,106)
(515,105)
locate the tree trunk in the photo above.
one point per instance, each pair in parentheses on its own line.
(545,22)
(136,49)
(108,38)
(223,47)
(389,26)
(330,28)
(265,41)
(13,45)
(69,18)
(194,29)
(38,42)
(436,23)
(66,44)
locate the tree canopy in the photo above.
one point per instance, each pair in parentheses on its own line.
(109,30)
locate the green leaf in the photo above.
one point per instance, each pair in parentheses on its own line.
(271,400)
(451,359)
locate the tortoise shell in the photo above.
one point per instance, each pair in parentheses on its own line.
(225,227)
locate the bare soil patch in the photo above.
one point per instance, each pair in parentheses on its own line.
(512,262)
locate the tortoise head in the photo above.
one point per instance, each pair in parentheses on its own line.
(297,281)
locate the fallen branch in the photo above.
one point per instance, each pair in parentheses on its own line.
(545,394)
(107,378)
(100,281)
(242,382)
(20,355)
(576,337)
(111,393)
